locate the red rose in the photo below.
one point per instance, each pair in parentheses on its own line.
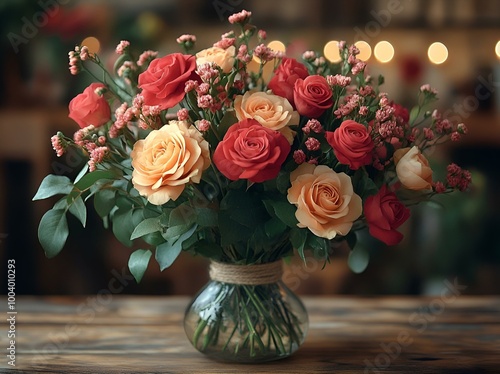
(251,151)
(352,144)
(88,108)
(312,96)
(384,214)
(163,82)
(283,80)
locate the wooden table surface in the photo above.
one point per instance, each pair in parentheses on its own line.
(131,334)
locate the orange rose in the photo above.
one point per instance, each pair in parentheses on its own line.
(413,169)
(271,111)
(167,159)
(88,108)
(325,200)
(224,58)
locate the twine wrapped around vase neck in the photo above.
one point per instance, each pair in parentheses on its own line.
(252,275)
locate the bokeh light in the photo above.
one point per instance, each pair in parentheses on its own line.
(383,51)
(365,51)
(438,53)
(331,51)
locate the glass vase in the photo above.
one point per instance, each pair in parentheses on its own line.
(246,323)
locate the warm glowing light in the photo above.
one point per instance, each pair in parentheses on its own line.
(331,51)
(277,46)
(438,53)
(365,51)
(92,43)
(497,49)
(383,51)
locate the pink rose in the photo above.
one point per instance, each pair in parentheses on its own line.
(88,108)
(283,80)
(384,214)
(163,82)
(312,96)
(352,144)
(251,151)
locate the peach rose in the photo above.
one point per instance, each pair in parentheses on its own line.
(224,58)
(325,200)
(167,159)
(271,111)
(88,108)
(413,169)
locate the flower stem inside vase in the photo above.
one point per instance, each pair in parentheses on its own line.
(246,323)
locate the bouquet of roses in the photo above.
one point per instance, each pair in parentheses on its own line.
(205,154)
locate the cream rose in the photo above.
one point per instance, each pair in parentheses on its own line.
(271,111)
(224,58)
(413,169)
(325,200)
(167,159)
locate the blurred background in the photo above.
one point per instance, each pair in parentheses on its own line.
(452,44)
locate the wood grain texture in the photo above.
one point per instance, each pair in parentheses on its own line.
(130,334)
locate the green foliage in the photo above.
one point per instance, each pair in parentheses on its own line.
(53,231)
(53,185)
(138,263)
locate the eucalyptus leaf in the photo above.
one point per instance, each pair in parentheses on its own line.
(148,226)
(53,185)
(123,226)
(138,263)
(166,253)
(91,178)
(414,114)
(53,231)
(358,259)
(79,210)
(82,172)
(104,201)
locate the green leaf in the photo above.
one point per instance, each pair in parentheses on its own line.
(82,172)
(104,201)
(318,245)
(298,239)
(226,122)
(123,226)
(285,212)
(79,210)
(274,227)
(53,231)
(89,179)
(363,185)
(182,215)
(358,259)
(53,185)
(206,217)
(148,226)
(414,114)
(138,263)
(166,253)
